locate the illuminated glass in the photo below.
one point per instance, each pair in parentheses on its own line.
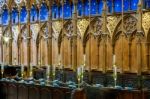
(15,16)
(33,14)
(5,17)
(23,15)
(43,12)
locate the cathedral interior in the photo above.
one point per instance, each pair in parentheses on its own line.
(86,43)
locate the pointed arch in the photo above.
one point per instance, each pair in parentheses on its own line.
(91,44)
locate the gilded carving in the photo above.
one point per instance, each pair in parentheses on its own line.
(97,27)
(15,33)
(146,22)
(130,25)
(35,29)
(69,30)
(56,25)
(82,26)
(24,35)
(112,23)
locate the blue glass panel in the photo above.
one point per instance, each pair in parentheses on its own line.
(14,16)
(118,5)
(109,4)
(100,8)
(23,15)
(93,7)
(72,9)
(60,12)
(43,12)
(5,17)
(80,12)
(55,11)
(134,4)
(33,14)
(67,10)
(86,8)
(126,5)
(147,3)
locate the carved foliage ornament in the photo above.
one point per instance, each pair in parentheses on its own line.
(57,26)
(146,21)
(69,30)
(45,33)
(35,30)
(112,23)
(82,25)
(15,31)
(24,35)
(97,28)
(130,24)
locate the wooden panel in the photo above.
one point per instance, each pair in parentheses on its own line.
(34,52)
(134,67)
(57,94)
(22,92)
(12,92)
(144,56)
(79,52)
(87,50)
(101,57)
(55,58)
(24,52)
(125,54)
(78,94)
(45,93)
(118,52)
(34,93)
(94,51)
(65,52)
(109,55)
(3,91)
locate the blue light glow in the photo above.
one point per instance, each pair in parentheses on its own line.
(134,4)
(5,17)
(33,14)
(43,12)
(23,15)
(100,8)
(15,16)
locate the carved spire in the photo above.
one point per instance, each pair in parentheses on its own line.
(75,35)
(104,15)
(139,12)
